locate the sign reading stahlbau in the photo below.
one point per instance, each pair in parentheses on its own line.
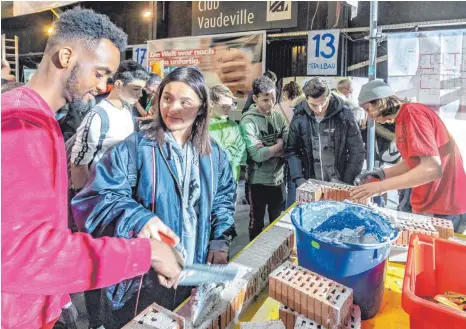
(322,52)
(212,17)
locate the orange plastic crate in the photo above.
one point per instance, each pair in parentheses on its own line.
(433,267)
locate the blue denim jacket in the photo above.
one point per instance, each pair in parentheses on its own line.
(109,206)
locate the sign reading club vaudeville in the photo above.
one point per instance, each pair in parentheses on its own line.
(212,17)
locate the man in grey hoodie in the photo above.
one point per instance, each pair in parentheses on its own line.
(264,130)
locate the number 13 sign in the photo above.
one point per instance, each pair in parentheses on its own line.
(322,52)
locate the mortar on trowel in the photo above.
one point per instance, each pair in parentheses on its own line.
(347,243)
(211,280)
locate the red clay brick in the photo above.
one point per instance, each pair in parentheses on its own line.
(157,317)
(443,226)
(293,319)
(319,299)
(288,316)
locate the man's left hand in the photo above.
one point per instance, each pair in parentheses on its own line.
(366,191)
(217,257)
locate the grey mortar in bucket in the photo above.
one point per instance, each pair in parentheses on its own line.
(347,243)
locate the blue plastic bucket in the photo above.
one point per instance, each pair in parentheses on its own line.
(361,267)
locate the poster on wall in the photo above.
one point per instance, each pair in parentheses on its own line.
(322,52)
(234,59)
(430,68)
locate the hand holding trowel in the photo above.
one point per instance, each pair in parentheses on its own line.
(199,274)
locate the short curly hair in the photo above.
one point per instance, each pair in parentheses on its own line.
(88,27)
(316,88)
(262,85)
(129,70)
(292,90)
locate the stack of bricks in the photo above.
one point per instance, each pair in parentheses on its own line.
(270,250)
(413,223)
(264,255)
(290,317)
(315,190)
(408,228)
(311,295)
(443,226)
(156,317)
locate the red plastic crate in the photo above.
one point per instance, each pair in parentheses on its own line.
(433,267)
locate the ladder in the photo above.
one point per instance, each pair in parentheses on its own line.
(10,54)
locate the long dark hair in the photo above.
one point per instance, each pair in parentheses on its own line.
(200,132)
(390,105)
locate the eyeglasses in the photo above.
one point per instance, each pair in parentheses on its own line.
(227,107)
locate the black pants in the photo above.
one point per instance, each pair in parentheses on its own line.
(93,303)
(246,192)
(262,197)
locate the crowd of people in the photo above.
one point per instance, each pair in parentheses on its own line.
(152,157)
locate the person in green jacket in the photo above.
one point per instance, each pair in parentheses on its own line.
(224,131)
(264,130)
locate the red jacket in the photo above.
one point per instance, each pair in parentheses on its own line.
(42,261)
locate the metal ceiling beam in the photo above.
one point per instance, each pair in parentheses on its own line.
(445,23)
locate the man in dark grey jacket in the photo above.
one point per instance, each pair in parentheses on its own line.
(324,140)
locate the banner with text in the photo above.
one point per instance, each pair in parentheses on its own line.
(430,68)
(322,52)
(209,17)
(234,60)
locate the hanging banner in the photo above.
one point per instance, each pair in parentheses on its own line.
(322,52)
(209,17)
(234,60)
(430,68)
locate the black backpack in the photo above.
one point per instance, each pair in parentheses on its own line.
(69,147)
(103,133)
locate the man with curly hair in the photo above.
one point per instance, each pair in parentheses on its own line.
(42,261)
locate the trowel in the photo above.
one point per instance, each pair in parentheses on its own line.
(200,274)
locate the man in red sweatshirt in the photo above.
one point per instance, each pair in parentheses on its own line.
(42,261)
